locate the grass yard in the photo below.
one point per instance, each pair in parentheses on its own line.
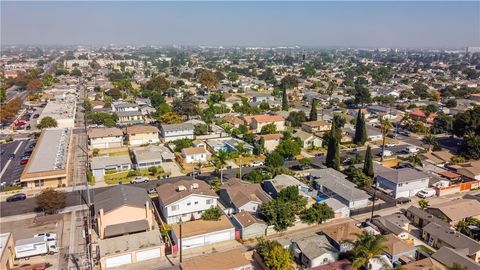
(114,178)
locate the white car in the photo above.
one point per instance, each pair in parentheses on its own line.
(386,153)
(412,150)
(138,180)
(426,193)
(390,144)
(256,164)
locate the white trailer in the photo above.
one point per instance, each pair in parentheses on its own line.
(34,246)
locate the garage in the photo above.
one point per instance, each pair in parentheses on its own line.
(193,242)
(217,237)
(98,172)
(148,254)
(405,194)
(118,260)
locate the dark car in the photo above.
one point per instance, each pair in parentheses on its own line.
(402,200)
(404,165)
(194,173)
(12,156)
(35,116)
(290,158)
(300,167)
(17,197)
(321,154)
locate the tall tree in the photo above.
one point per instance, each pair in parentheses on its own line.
(386,125)
(333,149)
(360,130)
(51,200)
(285,105)
(47,122)
(220,160)
(368,163)
(368,246)
(313,111)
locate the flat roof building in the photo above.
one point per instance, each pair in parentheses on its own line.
(62,112)
(48,164)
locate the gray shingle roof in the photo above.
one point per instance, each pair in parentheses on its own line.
(177,127)
(403,175)
(120,195)
(105,161)
(126,228)
(452,237)
(448,257)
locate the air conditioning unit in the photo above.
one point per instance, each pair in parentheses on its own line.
(194,186)
(181,188)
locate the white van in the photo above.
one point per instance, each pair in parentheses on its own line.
(412,150)
(426,193)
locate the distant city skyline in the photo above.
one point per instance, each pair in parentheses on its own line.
(260,24)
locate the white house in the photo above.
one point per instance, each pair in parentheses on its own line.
(404,182)
(124,107)
(101,165)
(239,196)
(185,200)
(174,132)
(102,138)
(195,154)
(200,233)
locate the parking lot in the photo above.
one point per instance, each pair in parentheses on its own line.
(11,167)
(27,228)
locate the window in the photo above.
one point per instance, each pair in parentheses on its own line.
(189,203)
(209,201)
(175,207)
(196,202)
(325,260)
(400,184)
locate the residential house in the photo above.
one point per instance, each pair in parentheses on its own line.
(398,250)
(256,122)
(233,120)
(456,210)
(250,226)
(102,138)
(308,140)
(406,182)
(201,232)
(424,264)
(438,157)
(152,155)
(421,218)
(105,164)
(262,98)
(122,251)
(418,114)
(331,183)
(342,236)
(238,196)
(271,141)
(124,107)
(310,249)
(174,132)
(440,235)
(469,170)
(449,256)
(141,134)
(7,251)
(228,144)
(343,264)
(130,117)
(234,259)
(282,181)
(318,126)
(383,112)
(396,224)
(123,210)
(185,200)
(373,134)
(195,155)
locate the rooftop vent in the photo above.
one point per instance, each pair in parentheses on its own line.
(194,186)
(181,188)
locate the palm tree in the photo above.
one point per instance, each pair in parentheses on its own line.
(199,166)
(386,125)
(368,246)
(242,152)
(423,203)
(415,160)
(220,160)
(462,226)
(429,140)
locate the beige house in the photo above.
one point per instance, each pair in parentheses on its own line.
(456,210)
(102,138)
(123,210)
(7,251)
(48,165)
(142,134)
(316,126)
(271,141)
(256,122)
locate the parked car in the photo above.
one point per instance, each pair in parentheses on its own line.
(151,191)
(392,135)
(256,164)
(138,180)
(300,167)
(321,154)
(290,158)
(12,156)
(426,193)
(403,200)
(386,153)
(412,150)
(24,160)
(194,173)
(49,237)
(17,197)
(35,116)
(2,151)
(403,165)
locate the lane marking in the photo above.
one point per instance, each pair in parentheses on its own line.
(10,160)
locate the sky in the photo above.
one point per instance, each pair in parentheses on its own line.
(318,24)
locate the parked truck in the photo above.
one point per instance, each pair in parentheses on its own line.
(30,247)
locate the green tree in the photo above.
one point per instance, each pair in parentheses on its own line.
(274,256)
(442,123)
(257,176)
(153,170)
(269,129)
(333,149)
(304,161)
(158,84)
(50,200)
(285,105)
(368,163)
(182,143)
(313,111)
(220,160)
(296,118)
(289,82)
(200,129)
(48,80)
(289,147)
(385,127)
(361,179)
(170,118)
(187,105)
(430,140)
(278,213)
(415,160)
(47,122)
(470,148)
(367,247)
(208,79)
(213,213)
(360,129)
(362,94)
(274,160)
(318,213)
(76,72)
(422,203)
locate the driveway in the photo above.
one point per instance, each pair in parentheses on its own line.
(173,168)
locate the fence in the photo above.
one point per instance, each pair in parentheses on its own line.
(364,210)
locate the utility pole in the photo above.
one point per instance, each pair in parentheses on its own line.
(374,198)
(180,241)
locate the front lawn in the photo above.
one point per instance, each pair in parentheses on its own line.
(114,178)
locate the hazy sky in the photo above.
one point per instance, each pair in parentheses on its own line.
(322,24)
